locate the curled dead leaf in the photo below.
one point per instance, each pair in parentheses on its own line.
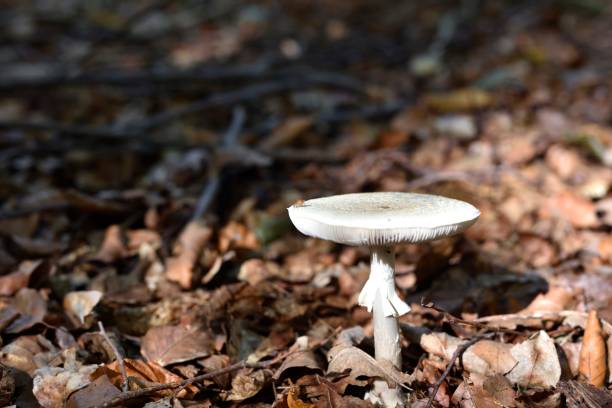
(593,352)
(190,243)
(53,385)
(247,383)
(12,282)
(344,358)
(113,247)
(141,370)
(80,304)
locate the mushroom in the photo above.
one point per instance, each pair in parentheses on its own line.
(380,221)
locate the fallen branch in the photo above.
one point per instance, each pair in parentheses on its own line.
(458,353)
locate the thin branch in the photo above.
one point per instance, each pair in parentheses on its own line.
(458,353)
(457,320)
(118,357)
(129,395)
(230,139)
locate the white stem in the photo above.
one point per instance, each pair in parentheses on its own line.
(386,334)
(382,278)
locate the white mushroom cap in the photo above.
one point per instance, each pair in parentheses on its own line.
(382,218)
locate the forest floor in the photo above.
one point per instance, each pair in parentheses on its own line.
(149,150)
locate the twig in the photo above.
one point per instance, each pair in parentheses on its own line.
(129,395)
(454,319)
(118,357)
(458,352)
(230,138)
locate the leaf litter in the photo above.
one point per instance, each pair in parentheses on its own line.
(145,191)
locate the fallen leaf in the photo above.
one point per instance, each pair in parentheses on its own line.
(53,385)
(593,352)
(94,394)
(440,344)
(537,362)
(301,361)
(579,395)
(181,266)
(20,353)
(532,363)
(489,358)
(216,362)
(360,364)
(255,271)
(318,392)
(555,300)
(236,235)
(113,247)
(11,283)
(147,371)
(293,400)
(580,212)
(500,390)
(7,387)
(32,308)
(175,344)
(81,303)
(247,383)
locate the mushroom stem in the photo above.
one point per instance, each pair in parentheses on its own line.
(387,347)
(386,335)
(382,278)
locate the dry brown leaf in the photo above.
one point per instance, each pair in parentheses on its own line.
(181,266)
(112,248)
(555,300)
(489,358)
(32,308)
(563,161)
(139,237)
(20,353)
(236,235)
(80,304)
(7,387)
(255,271)
(147,371)
(11,283)
(94,394)
(532,363)
(293,400)
(593,352)
(175,344)
(537,362)
(440,344)
(53,385)
(580,212)
(344,358)
(318,392)
(517,148)
(500,390)
(300,360)
(247,383)
(579,395)
(216,362)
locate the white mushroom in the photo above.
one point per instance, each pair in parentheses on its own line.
(380,221)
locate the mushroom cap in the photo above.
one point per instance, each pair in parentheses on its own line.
(376,219)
